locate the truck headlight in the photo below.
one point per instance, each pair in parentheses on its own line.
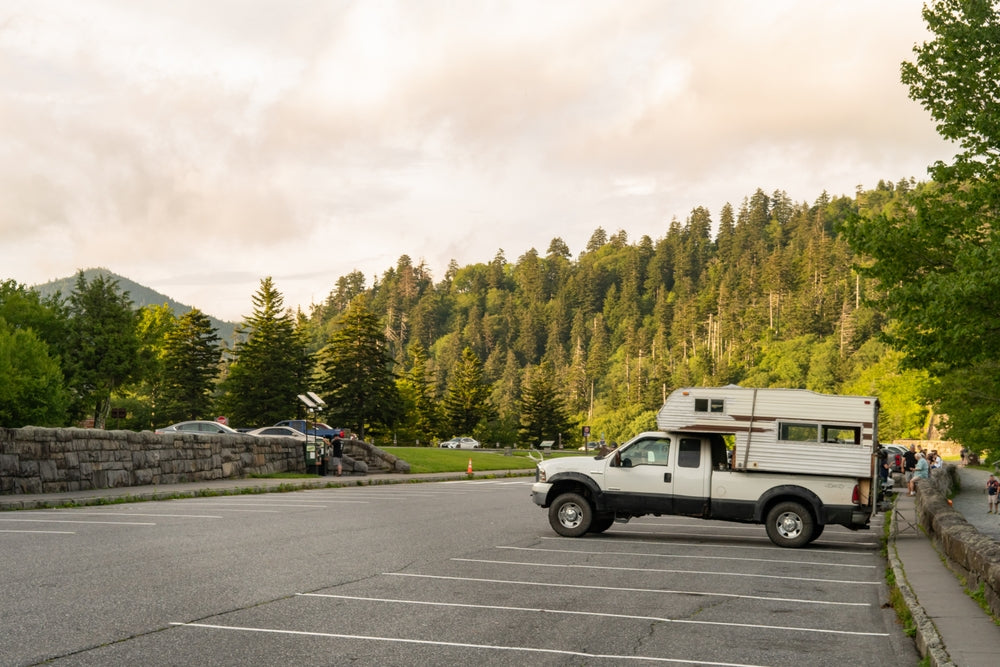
(540,474)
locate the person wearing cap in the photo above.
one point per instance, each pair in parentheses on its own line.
(337,445)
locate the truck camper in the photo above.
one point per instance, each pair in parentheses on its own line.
(791,459)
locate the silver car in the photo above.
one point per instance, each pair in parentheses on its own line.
(198,427)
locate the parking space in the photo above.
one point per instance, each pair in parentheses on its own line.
(470,572)
(677,590)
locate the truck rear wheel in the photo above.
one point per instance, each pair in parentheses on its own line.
(570,515)
(789,524)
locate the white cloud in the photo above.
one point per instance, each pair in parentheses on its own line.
(199,147)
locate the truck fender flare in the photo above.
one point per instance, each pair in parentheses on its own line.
(594,491)
(788,492)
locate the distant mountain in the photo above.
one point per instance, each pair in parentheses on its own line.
(139,294)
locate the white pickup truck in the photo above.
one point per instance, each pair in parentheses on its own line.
(791,459)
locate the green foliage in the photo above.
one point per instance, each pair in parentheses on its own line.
(31,381)
(466,402)
(191,357)
(357,380)
(270,365)
(543,412)
(934,250)
(103,354)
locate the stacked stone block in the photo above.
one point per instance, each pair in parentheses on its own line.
(45,460)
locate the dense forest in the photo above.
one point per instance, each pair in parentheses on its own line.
(513,352)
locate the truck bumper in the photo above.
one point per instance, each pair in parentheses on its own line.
(540,493)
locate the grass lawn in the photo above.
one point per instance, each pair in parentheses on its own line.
(433,459)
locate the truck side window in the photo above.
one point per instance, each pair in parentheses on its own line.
(647,452)
(689,453)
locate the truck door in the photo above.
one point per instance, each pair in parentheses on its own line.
(692,477)
(639,477)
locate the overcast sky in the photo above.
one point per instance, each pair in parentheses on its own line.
(198,146)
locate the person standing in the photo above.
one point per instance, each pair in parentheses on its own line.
(992,489)
(909,463)
(336,456)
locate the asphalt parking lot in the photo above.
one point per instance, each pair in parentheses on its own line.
(446,573)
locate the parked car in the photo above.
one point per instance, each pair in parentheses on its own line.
(314,428)
(198,427)
(461,443)
(279,431)
(894,457)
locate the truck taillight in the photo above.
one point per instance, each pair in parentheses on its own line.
(856,495)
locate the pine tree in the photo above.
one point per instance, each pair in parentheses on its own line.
(356,375)
(466,403)
(267,372)
(104,344)
(191,364)
(543,411)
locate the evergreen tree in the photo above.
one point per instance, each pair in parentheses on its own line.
(104,347)
(417,388)
(356,375)
(543,411)
(267,371)
(466,403)
(191,364)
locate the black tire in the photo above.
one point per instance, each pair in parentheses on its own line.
(571,515)
(601,522)
(789,524)
(817,531)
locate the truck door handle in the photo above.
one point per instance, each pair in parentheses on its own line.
(666,477)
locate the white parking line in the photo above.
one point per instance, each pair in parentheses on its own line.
(629,590)
(853,543)
(695,556)
(651,569)
(490,647)
(173,516)
(570,612)
(250,504)
(42,532)
(719,545)
(113,523)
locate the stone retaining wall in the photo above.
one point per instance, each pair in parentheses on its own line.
(45,460)
(971,554)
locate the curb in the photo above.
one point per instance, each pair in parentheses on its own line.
(251,486)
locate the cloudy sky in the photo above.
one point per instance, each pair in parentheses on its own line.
(198,146)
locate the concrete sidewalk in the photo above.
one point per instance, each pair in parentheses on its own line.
(952,629)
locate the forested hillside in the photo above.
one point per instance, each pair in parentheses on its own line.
(771,299)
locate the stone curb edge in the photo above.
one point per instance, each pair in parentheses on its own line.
(26,502)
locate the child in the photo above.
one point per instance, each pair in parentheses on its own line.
(992,487)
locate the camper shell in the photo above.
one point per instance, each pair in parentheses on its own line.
(781,430)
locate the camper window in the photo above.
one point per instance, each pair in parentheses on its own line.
(709,405)
(798,432)
(850,435)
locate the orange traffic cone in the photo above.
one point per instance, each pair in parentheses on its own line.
(469,470)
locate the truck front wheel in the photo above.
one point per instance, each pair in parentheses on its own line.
(789,524)
(570,515)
